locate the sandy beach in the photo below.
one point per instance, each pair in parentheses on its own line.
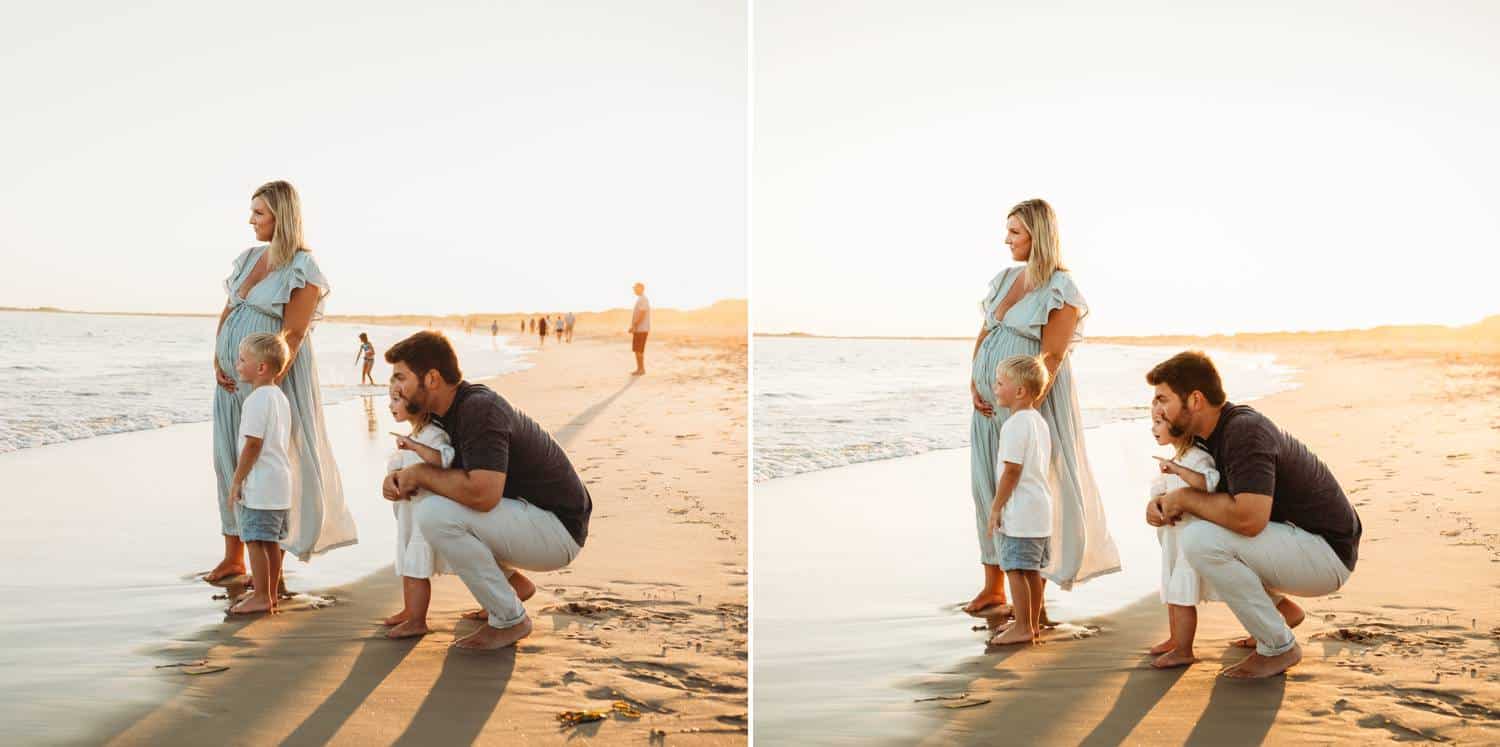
(653,613)
(1405,651)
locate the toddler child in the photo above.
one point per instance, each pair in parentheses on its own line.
(416,563)
(1181,587)
(1022,509)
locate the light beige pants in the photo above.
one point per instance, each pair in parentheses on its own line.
(1252,574)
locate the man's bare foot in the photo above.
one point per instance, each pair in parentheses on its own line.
(396,619)
(408,629)
(255,603)
(1012,635)
(983,601)
(1290,611)
(1256,667)
(1172,659)
(225,569)
(1162,648)
(489,638)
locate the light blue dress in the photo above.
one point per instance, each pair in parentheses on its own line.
(319,519)
(1081,546)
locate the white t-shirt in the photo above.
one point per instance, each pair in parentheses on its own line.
(267,415)
(1024,440)
(642,305)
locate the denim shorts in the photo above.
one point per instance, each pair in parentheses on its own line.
(1024,553)
(260,524)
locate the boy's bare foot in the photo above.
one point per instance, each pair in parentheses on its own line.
(255,603)
(225,569)
(1290,611)
(1173,659)
(396,619)
(1256,667)
(489,638)
(983,601)
(1012,635)
(408,629)
(1042,621)
(1162,648)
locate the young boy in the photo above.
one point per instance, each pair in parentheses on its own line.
(1022,511)
(261,491)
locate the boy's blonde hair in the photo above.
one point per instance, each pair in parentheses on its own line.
(267,348)
(1025,370)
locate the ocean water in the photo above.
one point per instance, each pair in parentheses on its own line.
(65,377)
(823,403)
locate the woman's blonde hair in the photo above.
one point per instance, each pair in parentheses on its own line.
(1046,252)
(281,199)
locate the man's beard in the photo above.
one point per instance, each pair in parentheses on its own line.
(415,406)
(1177,426)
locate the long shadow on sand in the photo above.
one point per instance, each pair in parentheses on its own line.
(1239,711)
(463,698)
(376,661)
(565,434)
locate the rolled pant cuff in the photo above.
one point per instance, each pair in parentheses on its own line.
(496,622)
(1265,650)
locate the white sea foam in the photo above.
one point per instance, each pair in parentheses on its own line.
(65,377)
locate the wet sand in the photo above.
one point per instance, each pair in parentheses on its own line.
(652,613)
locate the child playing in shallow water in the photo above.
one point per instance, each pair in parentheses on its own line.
(261,490)
(1022,510)
(1181,587)
(416,563)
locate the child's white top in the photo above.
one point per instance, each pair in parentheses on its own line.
(267,415)
(430,435)
(1197,460)
(1025,440)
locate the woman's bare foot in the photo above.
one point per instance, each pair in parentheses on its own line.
(251,605)
(1162,648)
(408,629)
(1256,667)
(1172,659)
(489,638)
(1012,635)
(225,569)
(983,601)
(396,619)
(1290,611)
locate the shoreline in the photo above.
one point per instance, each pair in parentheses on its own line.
(665,635)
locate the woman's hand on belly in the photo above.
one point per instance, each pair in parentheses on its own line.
(225,382)
(979,403)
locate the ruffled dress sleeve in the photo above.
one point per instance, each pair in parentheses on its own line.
(237,276)
(992,298)
(1060,291)
(301,272)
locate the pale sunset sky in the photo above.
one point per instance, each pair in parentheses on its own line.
(451,157)
(1286,165)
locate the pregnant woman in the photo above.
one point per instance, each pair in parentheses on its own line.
(1035,309)
(278,287)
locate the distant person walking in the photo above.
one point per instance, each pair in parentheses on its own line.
(557,327)
(368,352)
(541,330)
(640,326)
(570,320)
